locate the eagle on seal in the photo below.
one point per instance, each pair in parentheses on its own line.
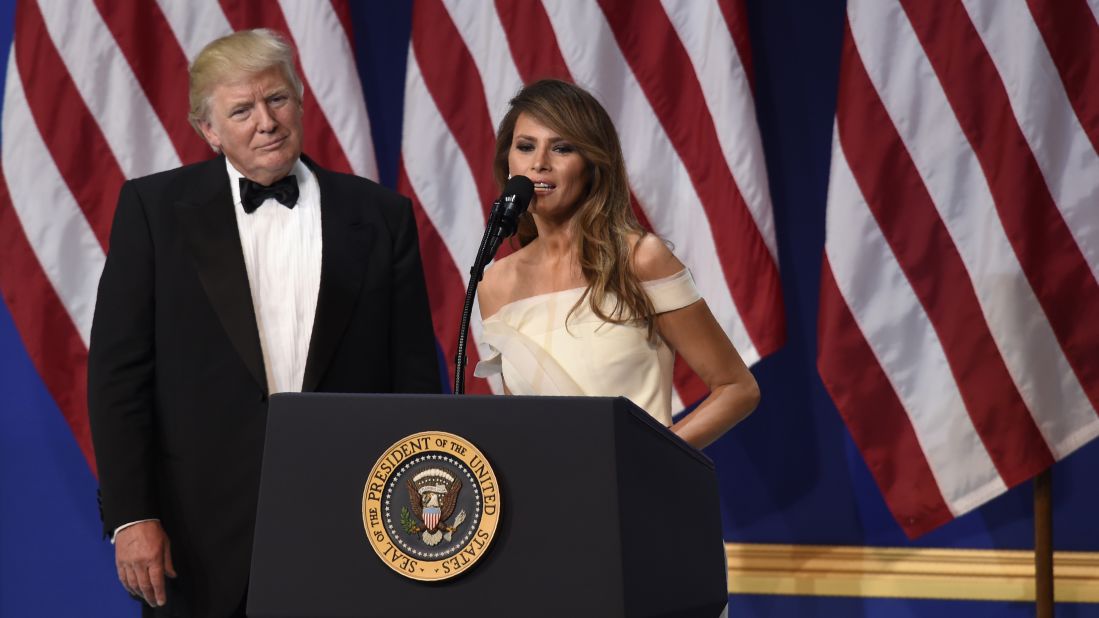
(433,495)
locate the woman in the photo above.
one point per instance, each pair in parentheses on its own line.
(592,304)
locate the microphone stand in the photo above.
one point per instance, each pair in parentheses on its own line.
(490,242)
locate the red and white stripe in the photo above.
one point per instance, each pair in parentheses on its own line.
(431,518)
(96,92)
(674,81)
(962,237)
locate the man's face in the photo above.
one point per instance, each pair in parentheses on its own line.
(256,121)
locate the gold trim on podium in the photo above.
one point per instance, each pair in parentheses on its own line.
(917,573)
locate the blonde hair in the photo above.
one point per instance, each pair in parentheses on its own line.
(605,220)
(242,53)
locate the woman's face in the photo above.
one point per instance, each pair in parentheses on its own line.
(557,170)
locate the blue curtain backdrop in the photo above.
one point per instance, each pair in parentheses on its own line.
(789,474)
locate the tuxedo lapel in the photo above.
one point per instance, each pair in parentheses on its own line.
(205,214)
(346,241)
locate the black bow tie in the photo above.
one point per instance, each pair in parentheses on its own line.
(253,194)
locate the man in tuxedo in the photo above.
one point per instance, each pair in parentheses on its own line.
(253,273)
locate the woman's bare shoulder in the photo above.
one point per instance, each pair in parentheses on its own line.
(504,270)
(652,258)
(500,282)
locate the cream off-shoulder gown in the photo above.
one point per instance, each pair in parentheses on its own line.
(530,344)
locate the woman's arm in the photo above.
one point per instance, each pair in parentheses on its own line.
(694,333)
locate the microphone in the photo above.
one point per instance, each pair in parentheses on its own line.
(503,219)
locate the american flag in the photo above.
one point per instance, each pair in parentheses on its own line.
(96,93)
(957,327)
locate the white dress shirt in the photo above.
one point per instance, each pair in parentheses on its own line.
(282,254)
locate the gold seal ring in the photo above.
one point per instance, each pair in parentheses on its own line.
(431,506)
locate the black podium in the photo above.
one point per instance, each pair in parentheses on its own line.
(603,511)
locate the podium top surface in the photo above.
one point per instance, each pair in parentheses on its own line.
(566,410)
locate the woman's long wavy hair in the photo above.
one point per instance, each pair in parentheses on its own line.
(604,220)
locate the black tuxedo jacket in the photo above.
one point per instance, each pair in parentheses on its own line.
(177,393)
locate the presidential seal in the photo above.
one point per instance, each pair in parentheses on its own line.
(431,505)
